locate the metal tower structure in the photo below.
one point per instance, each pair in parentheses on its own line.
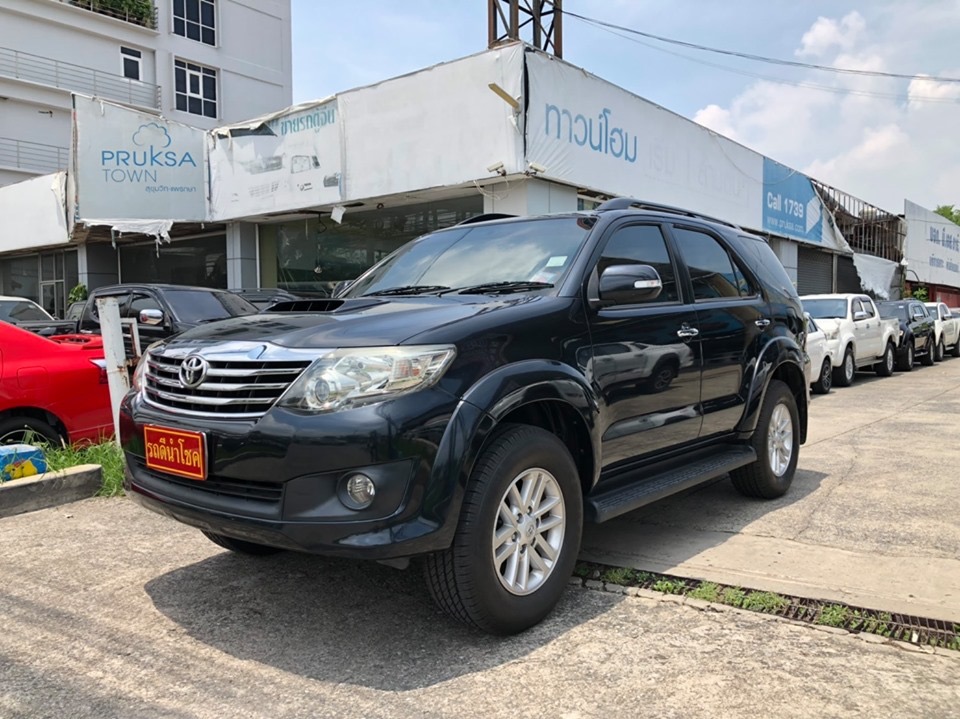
(506,19)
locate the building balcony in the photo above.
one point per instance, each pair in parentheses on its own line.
(33,156)
(137,12)
(76,78)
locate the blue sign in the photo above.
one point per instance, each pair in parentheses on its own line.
(791,206)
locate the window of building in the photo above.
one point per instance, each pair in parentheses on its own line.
(196,88)
(200,261)
(713,273)
(195,19)
(44,278)
(130,59)
(643,245)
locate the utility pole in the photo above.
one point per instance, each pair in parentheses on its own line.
(506,19)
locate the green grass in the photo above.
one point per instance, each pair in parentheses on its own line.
(707,591)
(763,602)
(618,575)
(733,596)
(107,454)
(834,615)
(669,586)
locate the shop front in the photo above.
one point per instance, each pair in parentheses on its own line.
(44,277)
(199,261)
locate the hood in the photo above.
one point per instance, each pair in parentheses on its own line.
(361,322)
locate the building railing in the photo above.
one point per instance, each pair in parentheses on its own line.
(33,156)
(76,78)
(139,12)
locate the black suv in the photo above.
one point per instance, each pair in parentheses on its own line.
(477,395)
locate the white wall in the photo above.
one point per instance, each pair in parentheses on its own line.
(33,213)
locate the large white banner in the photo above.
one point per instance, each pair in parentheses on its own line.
(443,126)
(289,160)
(590,133)
(128,164)
(932,246)
(34,213)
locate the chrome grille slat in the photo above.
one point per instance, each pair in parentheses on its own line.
(231,388)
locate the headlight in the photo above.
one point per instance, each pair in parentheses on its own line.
(348,378)
(139,372)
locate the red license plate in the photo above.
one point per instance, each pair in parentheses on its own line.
(176,452)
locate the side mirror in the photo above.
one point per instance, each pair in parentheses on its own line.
(860,315)
(629,284)
(151,317)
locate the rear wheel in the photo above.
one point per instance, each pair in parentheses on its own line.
(777,442)
(909,357)
(844,374)
(884,367)
(28,430)
(825,380)
(240,546)
(518,536)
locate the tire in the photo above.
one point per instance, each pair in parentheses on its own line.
(955,350)
(844,374)
(930,356)
(240,546)
(906,363)
(777,442)
(939,351)
(825,380)
(27,430)
(884,367)
(480,578)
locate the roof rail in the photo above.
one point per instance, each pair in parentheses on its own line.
(628,203)
(484,218)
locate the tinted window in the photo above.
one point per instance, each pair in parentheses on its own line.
(897,310)
(867,307)
(642,245)
(528,250)
(826,309)
(198,306)
(711,269)
(22,312)
(141,302)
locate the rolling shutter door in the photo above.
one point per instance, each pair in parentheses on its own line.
(814,271)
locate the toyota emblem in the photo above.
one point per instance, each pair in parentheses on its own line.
(193,371)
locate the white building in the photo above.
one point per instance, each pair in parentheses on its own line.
(200,62)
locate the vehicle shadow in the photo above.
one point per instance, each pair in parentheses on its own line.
(343,621)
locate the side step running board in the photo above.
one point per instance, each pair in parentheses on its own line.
(646,490)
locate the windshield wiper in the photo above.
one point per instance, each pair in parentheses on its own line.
(511,286)
(406,290)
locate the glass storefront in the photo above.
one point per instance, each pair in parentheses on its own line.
(313,255)
(200,261)
(45,278)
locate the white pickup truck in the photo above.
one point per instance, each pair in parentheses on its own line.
(863,338)
(947,329)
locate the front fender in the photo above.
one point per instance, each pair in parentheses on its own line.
(480,411)
(781,356)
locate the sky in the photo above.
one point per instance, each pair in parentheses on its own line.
(879,139)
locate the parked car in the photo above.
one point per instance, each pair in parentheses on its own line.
(916,336)
(52,388)
(453,403)
(864,339)
(165,310)
(947,326)
(820,352)
(28,315)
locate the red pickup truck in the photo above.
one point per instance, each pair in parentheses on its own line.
(52,387)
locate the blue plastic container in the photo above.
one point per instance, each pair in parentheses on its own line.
(20,460)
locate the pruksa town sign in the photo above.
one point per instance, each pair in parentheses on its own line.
(130,165)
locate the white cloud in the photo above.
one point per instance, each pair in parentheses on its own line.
(879,139)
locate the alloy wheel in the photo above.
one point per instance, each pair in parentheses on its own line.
(780,440)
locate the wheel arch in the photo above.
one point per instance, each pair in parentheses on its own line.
(781,359)
(37,413)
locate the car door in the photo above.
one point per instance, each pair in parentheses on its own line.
(732,316)
(646,356)
(861,330)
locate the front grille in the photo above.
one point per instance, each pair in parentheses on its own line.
(271,492)
(231,388)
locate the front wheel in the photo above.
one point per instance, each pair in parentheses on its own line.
(939,351)
(930,356)
(518,537)
(955,350)
(906,362)
(777,442)
(825,380)
(884,367)
(844,374)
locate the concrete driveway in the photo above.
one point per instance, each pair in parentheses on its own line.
(872,518)
(109,611)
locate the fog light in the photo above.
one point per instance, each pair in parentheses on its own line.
(360,491)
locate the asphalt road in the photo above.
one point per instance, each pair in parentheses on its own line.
(107,610)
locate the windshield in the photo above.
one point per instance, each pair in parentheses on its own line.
(826,309)
(894,309)
(22,311)
(540,250)
(198,306)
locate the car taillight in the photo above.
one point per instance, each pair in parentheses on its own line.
(102,364)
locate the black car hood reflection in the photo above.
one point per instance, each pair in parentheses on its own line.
(361,322)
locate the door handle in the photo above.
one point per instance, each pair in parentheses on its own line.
(687,332)
(762,323)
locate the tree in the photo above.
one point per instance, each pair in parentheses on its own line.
(950,212)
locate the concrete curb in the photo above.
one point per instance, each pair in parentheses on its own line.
(49,490)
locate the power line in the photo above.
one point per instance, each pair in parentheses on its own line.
(758,58)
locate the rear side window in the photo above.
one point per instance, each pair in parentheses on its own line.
(765,264)
(642,245)
(712,271)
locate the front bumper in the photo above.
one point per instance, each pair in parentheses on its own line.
(276,480)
